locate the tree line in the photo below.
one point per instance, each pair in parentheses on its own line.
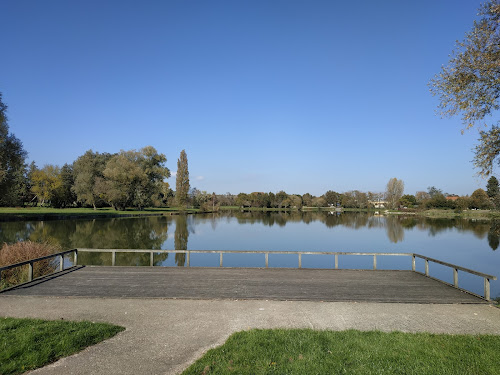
(136,179)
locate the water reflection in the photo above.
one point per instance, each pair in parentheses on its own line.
(152,232)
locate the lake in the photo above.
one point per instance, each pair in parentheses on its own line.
(468,243)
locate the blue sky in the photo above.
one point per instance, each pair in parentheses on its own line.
(304,96)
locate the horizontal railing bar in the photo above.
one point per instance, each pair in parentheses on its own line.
(36,279)
(10,266)
(236,252)
(491,277)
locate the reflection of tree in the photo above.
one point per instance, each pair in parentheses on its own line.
(394,229)
(494,235)
(181,239)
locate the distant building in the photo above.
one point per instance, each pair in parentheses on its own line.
(378,204)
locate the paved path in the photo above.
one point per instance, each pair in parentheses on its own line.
(247,283)
(163,336)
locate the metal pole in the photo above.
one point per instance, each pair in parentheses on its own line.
(75,257)
(30,271)
(113,258)
(267,260)
(151,256)
(413,268)
(374,262)
(188,255)
(300,260)
(221,259)
(61,262)
(486,289)
(336,261)
(455,277)
(426,267)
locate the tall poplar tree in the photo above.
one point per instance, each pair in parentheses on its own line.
(182,180)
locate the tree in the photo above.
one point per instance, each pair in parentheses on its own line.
(479,199)
(492,187)
(470,84)
(394,191)
(12,163)
(46,182)
(89,179)
(332,198)
(408,200)
(182,180)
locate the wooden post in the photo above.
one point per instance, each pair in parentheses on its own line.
(426,267)
(30,271)
(61,262)
(336,261)
(455,277)
(486,289)
(75,257)
(374,262)
(413,268)
(113,258)
(267,260)
(221,259)
(300,260)
(151,261)
(187,258)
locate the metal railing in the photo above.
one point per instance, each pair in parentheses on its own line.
(31,262)
(335,264)
(487,278)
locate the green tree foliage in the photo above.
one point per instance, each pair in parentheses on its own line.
(89,177)
(182,180)
(470,84)
(492,187)
(12,164)
(479,199)
(332,198)
(64,195)
(408,200)
(46,182)
(394,192)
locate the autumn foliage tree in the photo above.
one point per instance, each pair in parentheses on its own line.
(470,84)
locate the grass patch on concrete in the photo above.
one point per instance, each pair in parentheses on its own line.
(350,352)
(26,344)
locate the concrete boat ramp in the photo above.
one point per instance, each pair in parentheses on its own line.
(173,315)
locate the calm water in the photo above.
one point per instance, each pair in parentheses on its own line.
(469,243)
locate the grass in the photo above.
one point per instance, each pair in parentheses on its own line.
(26,344)
(350,352)
(29,212)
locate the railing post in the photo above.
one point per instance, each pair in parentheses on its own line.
(486,289)
(455,277)
(113,258)
(220,259)
(61,262)
(151,256)
(374,262)
(75,257)
(30,271)
(300,260)
(413,268)
(336,261)
(267,260)
(188,255)
(426,267)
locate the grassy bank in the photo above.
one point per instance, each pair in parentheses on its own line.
(45,213)
(26,344)
(350,352)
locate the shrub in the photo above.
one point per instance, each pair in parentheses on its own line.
(23,251)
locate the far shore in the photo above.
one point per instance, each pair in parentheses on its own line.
(47,213)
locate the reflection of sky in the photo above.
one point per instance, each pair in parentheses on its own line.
(461,248)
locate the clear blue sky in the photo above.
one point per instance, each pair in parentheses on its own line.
(263,95)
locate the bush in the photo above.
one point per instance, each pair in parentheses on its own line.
(23,251)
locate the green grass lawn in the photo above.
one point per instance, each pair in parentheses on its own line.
(350,352)
(26,344)
(28,212)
